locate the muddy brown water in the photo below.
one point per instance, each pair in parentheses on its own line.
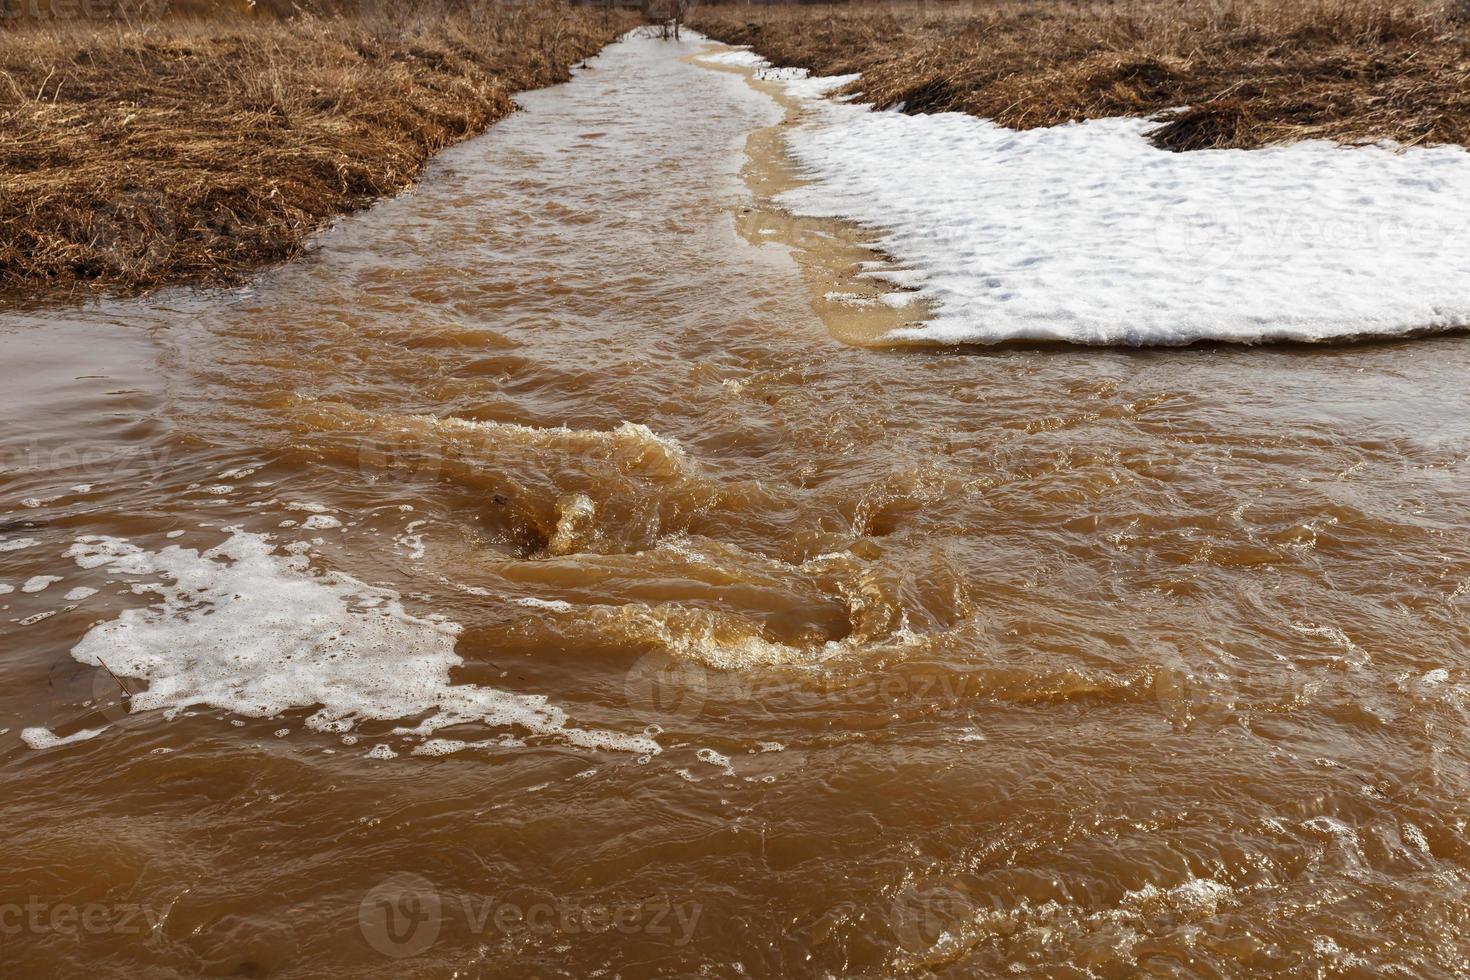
(1016,662)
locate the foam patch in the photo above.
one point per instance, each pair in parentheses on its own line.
(242,628)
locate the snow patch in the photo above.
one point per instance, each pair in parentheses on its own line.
(738,57)
(1087,233)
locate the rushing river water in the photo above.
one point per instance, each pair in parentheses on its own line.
(532,582)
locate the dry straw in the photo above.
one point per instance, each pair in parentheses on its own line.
(135,153)
(1238,74)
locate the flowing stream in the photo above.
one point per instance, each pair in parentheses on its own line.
(548,577)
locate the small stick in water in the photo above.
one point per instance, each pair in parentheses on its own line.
(120,685)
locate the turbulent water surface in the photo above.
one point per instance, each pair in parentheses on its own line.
(533,582)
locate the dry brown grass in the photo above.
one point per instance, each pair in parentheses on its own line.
(1235,73)
(133,156)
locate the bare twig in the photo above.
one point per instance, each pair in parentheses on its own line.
(115,679)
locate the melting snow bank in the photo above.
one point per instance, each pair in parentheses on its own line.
(256,633)
(1087,233)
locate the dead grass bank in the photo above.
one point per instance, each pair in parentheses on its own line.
(133,156)
(1244,73)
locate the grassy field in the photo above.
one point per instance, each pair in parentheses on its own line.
(137,151)
(1244,73)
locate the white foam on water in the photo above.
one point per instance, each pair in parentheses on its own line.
(15,544)
(79,593)
(242,628)
(317,522)
(1088,233)
(554,605)
(713,758)
(441,746)
(43,738)
(410,542)
(39,583)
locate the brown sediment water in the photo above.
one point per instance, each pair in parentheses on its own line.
(531,583)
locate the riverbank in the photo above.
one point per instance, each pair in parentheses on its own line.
(1239,75)
(1090,233)
(195,151)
